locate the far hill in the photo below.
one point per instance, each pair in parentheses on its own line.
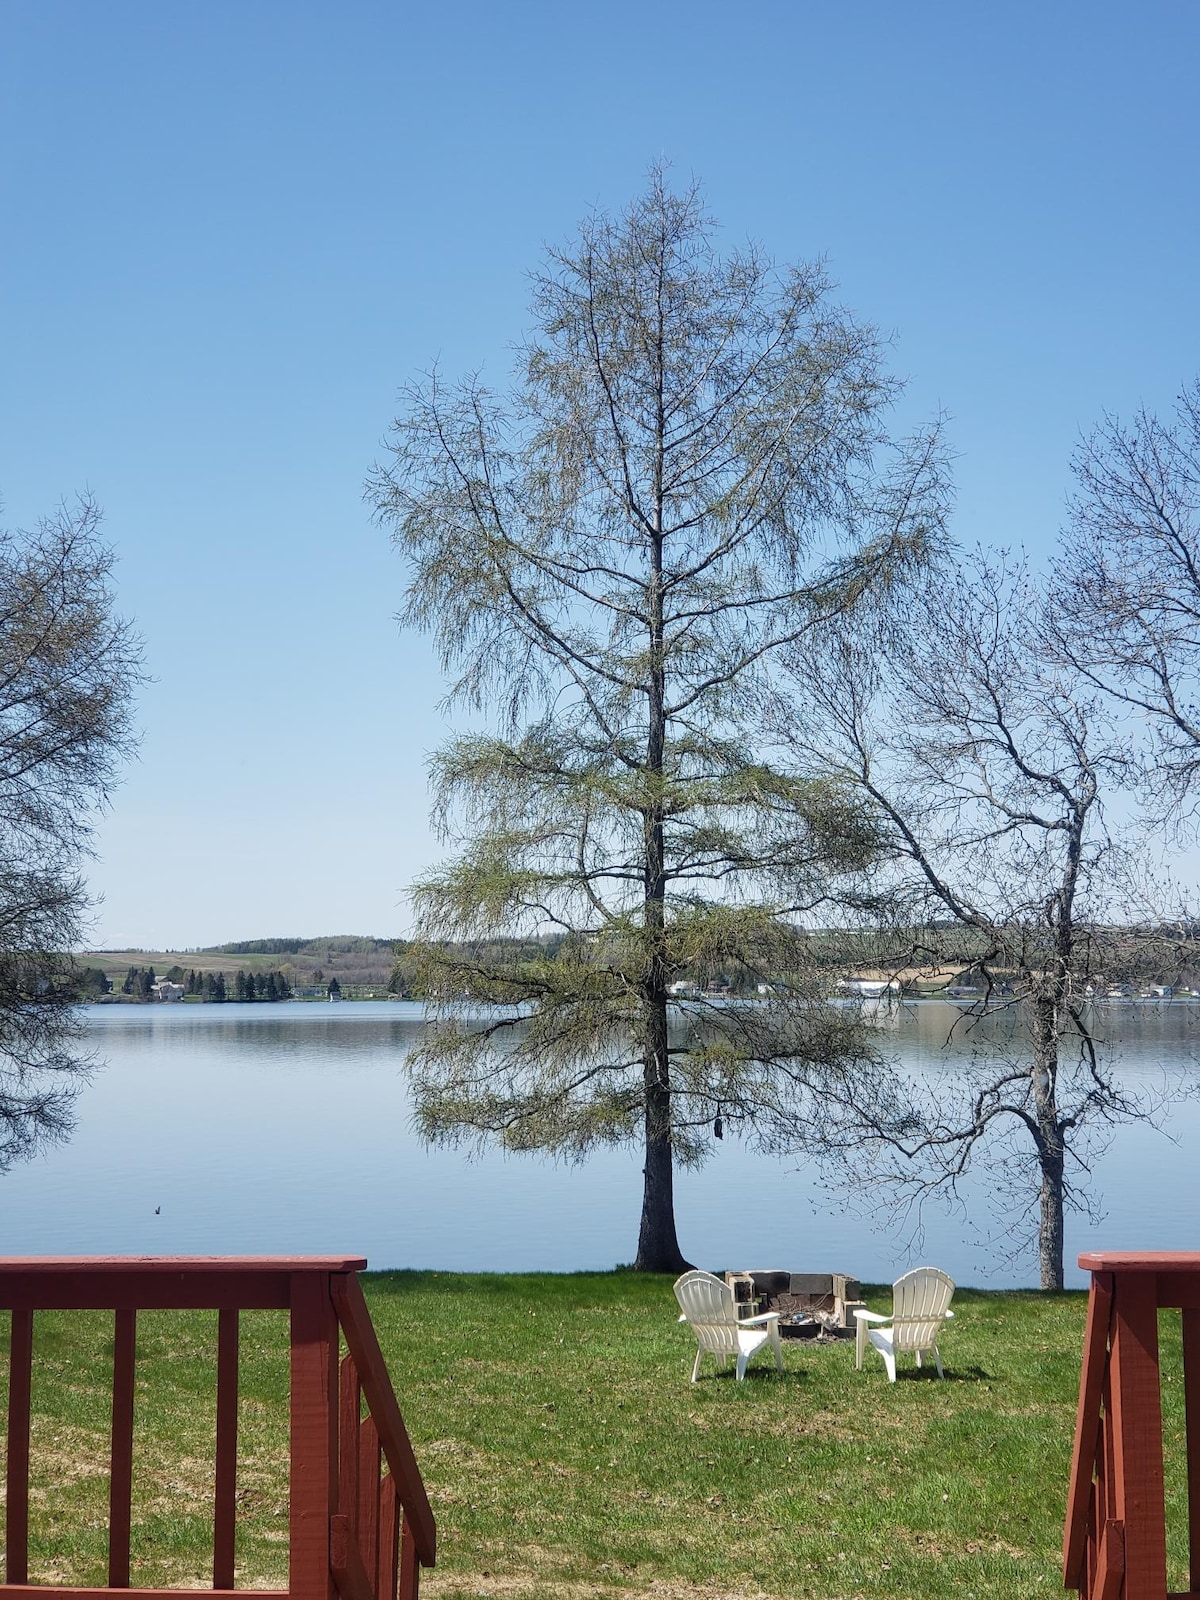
(350,958)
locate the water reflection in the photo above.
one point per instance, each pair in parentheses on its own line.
(286,1128)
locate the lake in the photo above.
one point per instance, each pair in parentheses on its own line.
(285,1129)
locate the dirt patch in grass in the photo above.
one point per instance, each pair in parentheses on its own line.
(513,1585)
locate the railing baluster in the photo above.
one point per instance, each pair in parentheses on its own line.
(368,1496)
(410,1570)
(1110,1562)
(348,1441)
(1106,1473)
(225,1488)
(349,1574)
(1107,1446)
(1101,1501)
(1092,1554)
(120,1493)
(389,1529)
(20,1365)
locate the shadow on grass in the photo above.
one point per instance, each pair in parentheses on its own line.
(762,1376)
(953,1375)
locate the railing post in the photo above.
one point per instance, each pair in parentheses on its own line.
(1138,1499)
(314,1407)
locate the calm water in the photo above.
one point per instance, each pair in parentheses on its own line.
(286,1129)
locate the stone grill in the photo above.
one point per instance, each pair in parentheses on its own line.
(811,1305)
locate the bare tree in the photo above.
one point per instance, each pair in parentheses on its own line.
(986,763)
(692,471)
(68,668)
(1127,585)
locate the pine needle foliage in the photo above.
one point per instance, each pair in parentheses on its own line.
(690,472)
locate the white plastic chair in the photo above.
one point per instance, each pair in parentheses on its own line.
(709,1306)
(920,1304)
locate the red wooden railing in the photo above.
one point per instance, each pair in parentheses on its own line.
(360,1521)
(1115,1542)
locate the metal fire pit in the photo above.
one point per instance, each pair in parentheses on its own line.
(811,1305)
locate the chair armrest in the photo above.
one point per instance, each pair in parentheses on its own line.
(872,1316)
(763,1316)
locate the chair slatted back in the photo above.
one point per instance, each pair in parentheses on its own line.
(920,1300)
(710,1308)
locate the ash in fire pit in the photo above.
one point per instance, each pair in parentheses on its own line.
(811,1305)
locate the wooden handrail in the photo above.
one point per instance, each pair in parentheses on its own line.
(381,1398)
(355,1532)
(1087,1428)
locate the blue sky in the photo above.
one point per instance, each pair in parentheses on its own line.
(233,231)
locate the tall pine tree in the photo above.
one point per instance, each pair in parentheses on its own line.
(685,479)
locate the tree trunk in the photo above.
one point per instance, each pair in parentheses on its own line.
(1049,1144)
(658,1247)
(1050,1222)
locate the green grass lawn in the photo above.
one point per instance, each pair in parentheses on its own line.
(566,1453)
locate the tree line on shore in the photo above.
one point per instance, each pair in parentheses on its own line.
(141,984)
(1137,960)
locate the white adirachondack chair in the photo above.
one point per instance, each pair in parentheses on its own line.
(920,1304)
(709,1306)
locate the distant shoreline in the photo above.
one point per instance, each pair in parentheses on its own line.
(361,965)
